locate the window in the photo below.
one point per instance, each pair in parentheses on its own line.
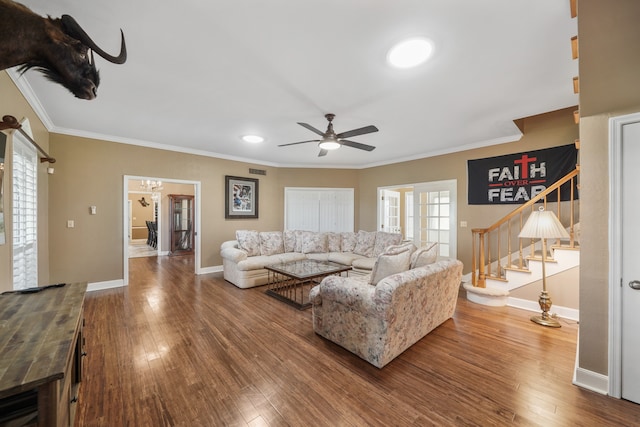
(25,212)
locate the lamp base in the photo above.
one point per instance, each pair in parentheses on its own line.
(546,321)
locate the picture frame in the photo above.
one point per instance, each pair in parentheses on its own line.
(241,197)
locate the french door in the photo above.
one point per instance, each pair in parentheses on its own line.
(389,211)
(434,215)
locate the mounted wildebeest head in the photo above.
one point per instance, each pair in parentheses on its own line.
(59,48)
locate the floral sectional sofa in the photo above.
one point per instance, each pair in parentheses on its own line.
(379,318)
(244,259)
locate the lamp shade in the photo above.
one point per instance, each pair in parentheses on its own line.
(543,224)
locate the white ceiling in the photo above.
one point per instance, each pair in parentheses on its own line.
(200,74)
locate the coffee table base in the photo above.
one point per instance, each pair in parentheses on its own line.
(292,282)
(290,290)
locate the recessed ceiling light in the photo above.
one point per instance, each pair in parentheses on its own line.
(410,53)
(255,139)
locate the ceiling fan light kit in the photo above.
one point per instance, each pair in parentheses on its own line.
(332,141)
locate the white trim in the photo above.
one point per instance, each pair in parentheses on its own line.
(125,216)
(452,186)
(591,381)
(109,284)
(34,102)
(560,311)
(615,250)
(208,270)
(28,93)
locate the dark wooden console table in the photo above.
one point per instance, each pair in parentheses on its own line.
(41,355)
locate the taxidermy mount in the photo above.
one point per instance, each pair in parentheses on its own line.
(57,47)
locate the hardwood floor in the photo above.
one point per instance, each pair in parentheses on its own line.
(175,349)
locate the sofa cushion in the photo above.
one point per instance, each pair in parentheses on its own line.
(298,247)
(349,240)
(396,261)
(334,242)
(271,243)
(366,243)
(314,242)
(344,258)
(384,240)
(425,255)
(289,240)
(249,241)
(364,263)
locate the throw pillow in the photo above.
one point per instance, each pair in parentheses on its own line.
(349,240)
(392,263)
(289,237)
(426,255)
(271,243)
(334,241)
(365,244)
(384,240)
(314,242)
(395,249)
(298,247)
(249,241)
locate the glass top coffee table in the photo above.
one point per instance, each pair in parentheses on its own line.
(291,281)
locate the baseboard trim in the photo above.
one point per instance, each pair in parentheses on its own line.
(591,381)
(109,284)
(207,270)
(564,312)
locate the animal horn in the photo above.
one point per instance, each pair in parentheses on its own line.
(74,29)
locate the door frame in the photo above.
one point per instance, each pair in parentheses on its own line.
(450,185)
(125,220)
(615,250)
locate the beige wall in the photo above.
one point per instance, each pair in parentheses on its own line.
(90,172)
(13,103)
(609,35)
(543,131)
(140,214)
(563,288)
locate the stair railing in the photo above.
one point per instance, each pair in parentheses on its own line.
(487,261)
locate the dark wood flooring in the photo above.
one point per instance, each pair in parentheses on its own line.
(175,349)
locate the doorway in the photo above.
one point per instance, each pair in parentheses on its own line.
(150,195)
(624,272)
(423,212)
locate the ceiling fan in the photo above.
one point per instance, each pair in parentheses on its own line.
(332,141)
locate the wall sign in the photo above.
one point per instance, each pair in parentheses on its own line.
(516,178)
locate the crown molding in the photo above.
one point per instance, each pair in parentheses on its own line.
(27,91)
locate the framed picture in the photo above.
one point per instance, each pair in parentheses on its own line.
(241,197)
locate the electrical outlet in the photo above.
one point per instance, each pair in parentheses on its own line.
(71,223)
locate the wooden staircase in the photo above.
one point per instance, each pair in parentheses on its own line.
(502,262)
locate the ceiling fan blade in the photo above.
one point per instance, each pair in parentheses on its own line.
(356,132)
(357,145)
(300,142)
(311,128)
(322,152)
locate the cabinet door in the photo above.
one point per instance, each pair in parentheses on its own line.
(181,223)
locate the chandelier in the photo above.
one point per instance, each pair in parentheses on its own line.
(152,186)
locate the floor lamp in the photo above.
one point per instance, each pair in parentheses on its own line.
(544,225)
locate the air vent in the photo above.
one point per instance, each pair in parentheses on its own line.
(258,171)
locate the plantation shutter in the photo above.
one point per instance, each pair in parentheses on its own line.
(25,213)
